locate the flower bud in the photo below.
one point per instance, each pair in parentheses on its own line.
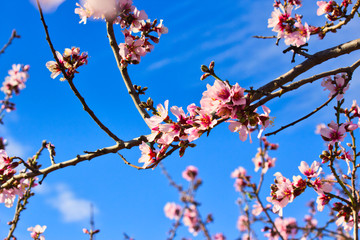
(205,75)
(204,69)
(211,66)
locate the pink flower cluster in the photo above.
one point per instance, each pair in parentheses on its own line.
(190,216)
(13,83)
(219,102)
(7,171)
(191,220)
(262,160)
(291,29)
(16,79)
(37,231)
(284,191)
(241,178)
(219,236)
(344,216)
(336,85)
(190,173)
(242,223)
(287,227)
(332,9)
(70,60)
(172,210)
(131,20)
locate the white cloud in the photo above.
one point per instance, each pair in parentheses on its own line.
(72,208)
(48,5)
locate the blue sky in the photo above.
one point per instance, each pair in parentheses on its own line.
(127,200)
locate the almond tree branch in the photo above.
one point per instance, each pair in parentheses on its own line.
(303,118)
(309,63)
(296,85)
(349,71)
(91,113)
(265,210)
(13,35)
(79,158)
(123,70)
(70,81)
(20,206)
(343,22)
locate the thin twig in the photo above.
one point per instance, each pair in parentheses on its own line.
(13,35)
(70,81)
(79,158)
(266,211)
(309,63)
(169,178)
(303,118)
(304,81)
(123,70)
(265,37)
(20,206)
(130,164)
(91,113)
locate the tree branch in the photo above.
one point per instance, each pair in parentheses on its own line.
(13,35)
(343,22)
(123,70)
(309,63)
(70,81)
(79,158)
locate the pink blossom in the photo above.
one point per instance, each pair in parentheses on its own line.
(162,113)
(190,173)
(335,133)
(161,29)
(298,37)
(336,85)
(172,210)
(70,61)
(321,187)
(346,224)
(278,18)
(238,173)
(16,79)
(36,231)
(191,220)
(257,209)
(193,133)
(282,194)
(215,96)
(205,120)
(148,155)
(287,227)
(83,12)
(324,7)
(133,49)
(239,184)
(242,223)
(238,127)
(138,20)
(319,127)
(219,236)
(237,95)
(312,171)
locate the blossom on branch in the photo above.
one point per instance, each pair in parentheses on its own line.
(336,85)
(37,231)
(69,61)
(16,79)
(172,210)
